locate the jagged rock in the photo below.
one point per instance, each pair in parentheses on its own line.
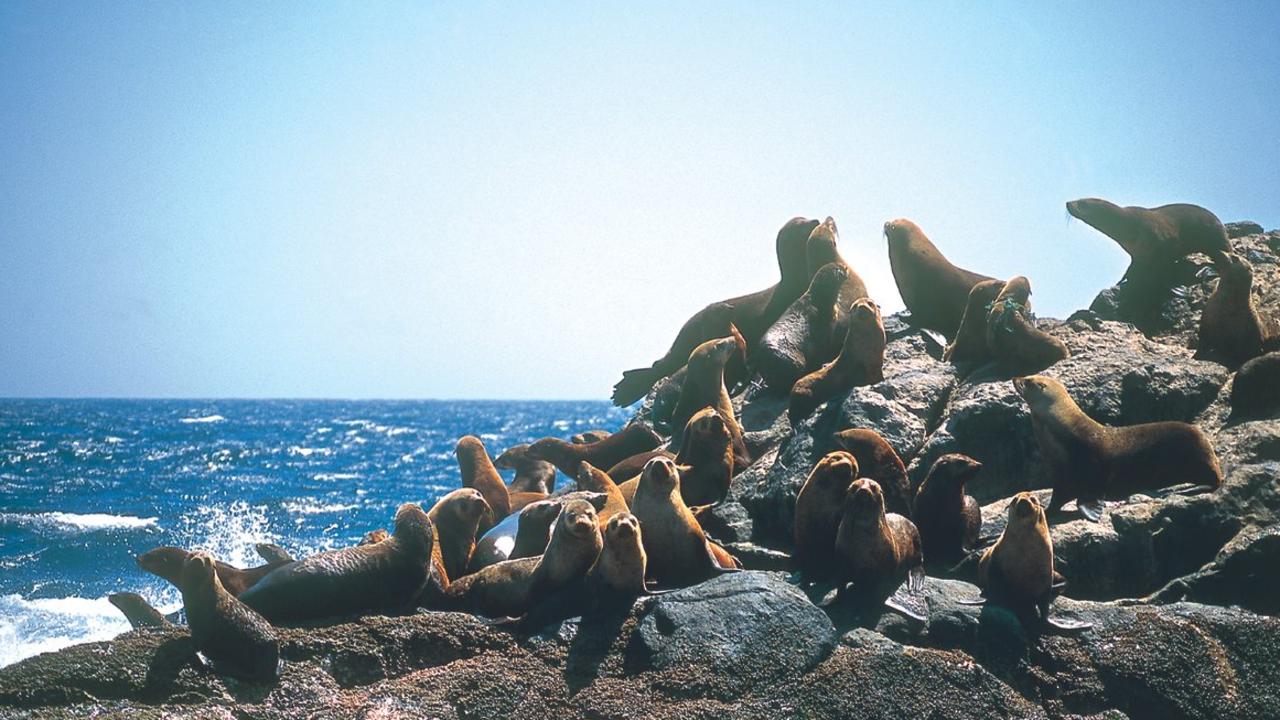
(1242,228)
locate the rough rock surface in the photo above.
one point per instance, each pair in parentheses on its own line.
(1182,590)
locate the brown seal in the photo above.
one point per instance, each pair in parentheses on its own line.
(525,533)
(807,335)
(704,386)
(589,436)
(455,519)
(705,461)
(752,314)
(878,460)
(970,344)
(1230,327)
(512,587)
(631,467)
(478,472)
(1089,461)
(821,249)
(949,520)
(386,576)
(1012,336)
(877,549)
(818,510)
(138,611)
(593,479)
(678,550)
(167,562)
(532,475)
(534,531)
(860,362)
(633,439)
(1255,390)
(934,291)
(230,636)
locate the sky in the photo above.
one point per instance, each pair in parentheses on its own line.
(497,200)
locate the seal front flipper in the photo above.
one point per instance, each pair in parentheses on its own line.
(1091,509)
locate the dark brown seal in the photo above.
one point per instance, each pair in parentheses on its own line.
(1089,461)
(970,344)
(1012,336)
(704,386)
(821,249)
(706,459)
(532,475)
(589,436)
(1231,329)
(678,550)
(752,314)
(934,291)
(807,335)
(633,439)
(819,506)
(534,531)
(230,636)
(1255,390)
(878,460)
(878,550)
(167,562)
(138,611)
(949,521)
(455,520)
(860,362)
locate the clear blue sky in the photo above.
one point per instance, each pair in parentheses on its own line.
(487,200)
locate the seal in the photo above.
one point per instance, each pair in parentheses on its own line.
(878,460)
(534,531)
(138,611)
(1255,390)
(273,553)
(525,534)
(633,439)
(818,510)
(1018,571)
(970,345)
(455,519)
(705,461)
(1089,461)
(807,335)
(589,436)
(934,291)
(860,362)
(821,249)
(878,549)
(704,386)
(167,562)
(512,587)
(1012,336)
(752,314)
(678,550)
(532,475)
(386,576)
(1231,329)
(231,637)
(949,521)
(631,467)
(592,479)
(478,472)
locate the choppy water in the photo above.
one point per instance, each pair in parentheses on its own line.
(85,485)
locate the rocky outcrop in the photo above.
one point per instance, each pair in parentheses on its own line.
(1182,590)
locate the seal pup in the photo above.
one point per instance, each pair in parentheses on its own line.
(1230,327)
(1255,390)
(819,507)
(168,561)
(877,550)
(138,611)
(1012,336)
(934,291)
(678,551)
(1018,571)
(949,521)
(970,345)
(807,334)
(512,587)
(821,249)
(878,460)
(227,633)
(1089,461)
(455,521)
(389,575)
(752,314)
(860,362)
(633,439)
(532,475)
(704,386)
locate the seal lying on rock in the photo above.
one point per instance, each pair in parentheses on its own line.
(1012,336)
(138,611)
(389,575)
(1089,461)
(949,520)
(860,362)
(167,562)
(229,635)
(970,344)
(532,474)
(633,439)
(273,553)
(934,291)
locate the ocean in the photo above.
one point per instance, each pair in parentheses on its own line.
(86,485)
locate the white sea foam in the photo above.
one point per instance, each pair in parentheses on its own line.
(202,419)
(76,522)
(307,451)
(325,477)
(229,532)
(311,507)
(31,627)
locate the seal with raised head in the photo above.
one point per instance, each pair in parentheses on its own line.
(511,587)
(138,611)
(525,533)
(949,521)
(970,343)
(532,475)
(934,291)
(860,362)
(1012,336)
(1255,390)
(1231,329)
(807,335)
(455,521)
(705,460)
(1089,461)
(752,314)
(877,550)
(704,387)
(821,249)
(478,472)
(593,479)
(678,550)
(879,461)
(386,576)
(633,439)
(819,506)
(227,633)
(167,562)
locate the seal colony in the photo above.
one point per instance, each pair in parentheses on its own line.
(634,514)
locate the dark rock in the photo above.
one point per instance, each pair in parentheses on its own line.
(1242,228)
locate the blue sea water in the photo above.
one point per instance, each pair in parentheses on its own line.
(86,485)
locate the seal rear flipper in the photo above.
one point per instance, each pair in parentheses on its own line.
(1091,509)
(634,385)
(909,604)
(718,559)
(1066,625)
(915,580)
(972,601)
